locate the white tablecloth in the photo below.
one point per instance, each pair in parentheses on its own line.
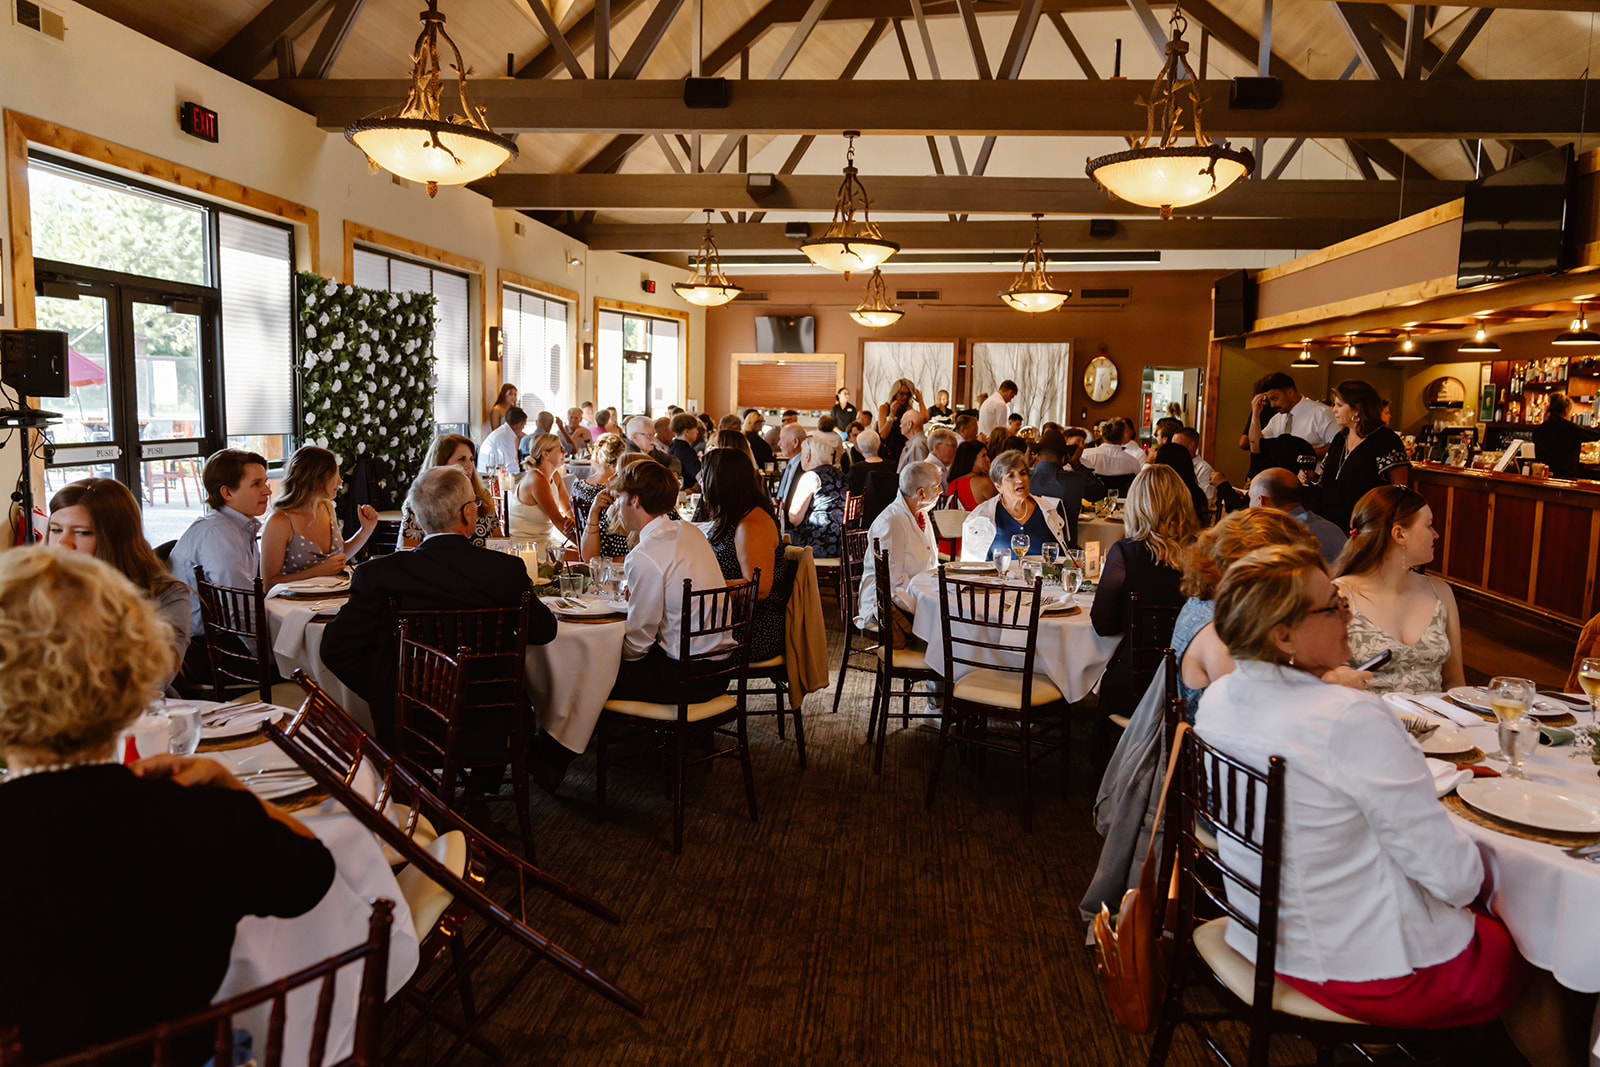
(1549,901)
(297,643)
(570,678)
(1069,652)
(266,949)
(1105,531)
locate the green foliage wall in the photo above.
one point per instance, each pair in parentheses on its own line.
(366,370)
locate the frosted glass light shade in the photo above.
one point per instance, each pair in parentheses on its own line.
(435,153)
(1166,178)
(706,293)
(877,318)
(844,254)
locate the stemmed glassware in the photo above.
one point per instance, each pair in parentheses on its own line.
(1509,699)
(1589,680)
(1019,545)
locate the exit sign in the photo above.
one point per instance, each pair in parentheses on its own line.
(198,121)
(648,285)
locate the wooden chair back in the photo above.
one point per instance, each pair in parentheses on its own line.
(852,510)
(238,642)
(851,560)
(711,614)
(329,746)
(1244,809)
(984,625)
(158,1044)
(493,640)
(430,694)
(1149,634)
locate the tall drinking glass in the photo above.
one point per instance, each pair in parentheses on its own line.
(1589,679)
(1518,737)
(1002,561)
(1509,699)
(183,736)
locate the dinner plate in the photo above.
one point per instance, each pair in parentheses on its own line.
(1446,741)
(1477,698)
(1536,804)
(976,566)
(242,725)
(588,607)
(317,587)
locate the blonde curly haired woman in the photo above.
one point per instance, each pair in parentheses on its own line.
(116,855)
(1161,523)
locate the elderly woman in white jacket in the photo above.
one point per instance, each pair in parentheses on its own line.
(992,523)
(1378,918)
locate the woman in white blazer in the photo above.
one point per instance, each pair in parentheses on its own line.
(1380,915)
(1038,516)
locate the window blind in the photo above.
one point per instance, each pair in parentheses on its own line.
(256,264)
(535,348)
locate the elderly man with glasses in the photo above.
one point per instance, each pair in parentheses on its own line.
(446,571)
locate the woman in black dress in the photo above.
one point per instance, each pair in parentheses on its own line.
(1362,456)
(128,881)
(1180,459)
(902,397)
(816,511)
(744,535)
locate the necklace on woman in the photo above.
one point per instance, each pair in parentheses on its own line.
(48,768)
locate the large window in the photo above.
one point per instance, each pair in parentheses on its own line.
(639,365)
(535,357)
(179,322)
(452,327)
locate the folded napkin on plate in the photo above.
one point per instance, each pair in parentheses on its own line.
(330,583)
(239,721)
(1556,735)
(1438,705)
(1446,776)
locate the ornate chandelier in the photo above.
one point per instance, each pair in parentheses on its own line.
(416,143)
(849,245)
(1032,291)
(875,311)
(1168,175)
(708,287)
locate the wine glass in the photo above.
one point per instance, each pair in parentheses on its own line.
(1509,699)
(1589,680)
(1019,545)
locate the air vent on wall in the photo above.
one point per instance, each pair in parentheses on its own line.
(32,16)
(1103,294)
(918,294)
(757,297)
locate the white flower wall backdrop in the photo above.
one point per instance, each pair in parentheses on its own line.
(1042,371)
(930,365)
(366,368)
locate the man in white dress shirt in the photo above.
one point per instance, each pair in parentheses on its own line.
(916,447)
(499,449)
(1298,416)
(1120,456)
(667,553)
(1204,472)
(997,409)
(906,533)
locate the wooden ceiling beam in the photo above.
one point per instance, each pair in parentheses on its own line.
(581,35)
(1059,235)
(330,42)
(247,51)
(1438,110)
(1528,5)
(897,194)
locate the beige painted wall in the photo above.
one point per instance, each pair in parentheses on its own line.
(115,84)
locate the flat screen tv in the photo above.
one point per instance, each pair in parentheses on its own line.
(1514,222)
(786,333)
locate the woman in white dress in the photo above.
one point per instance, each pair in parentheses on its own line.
(541,507)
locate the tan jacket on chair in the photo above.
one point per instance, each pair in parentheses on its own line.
(805,639)
(1588,645)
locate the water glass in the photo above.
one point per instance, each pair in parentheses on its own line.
(1002,561)
(1509,699)
(1031,570)
(571,585)
(1111,500)
(1072,579)
(1518,738)
(183,729)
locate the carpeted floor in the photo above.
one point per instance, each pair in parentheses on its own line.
(848,925)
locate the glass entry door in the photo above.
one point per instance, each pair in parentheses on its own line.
(139,407)
(635,383)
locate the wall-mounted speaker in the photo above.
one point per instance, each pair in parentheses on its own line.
(1102,227)
(34,362)
(1254,94)
(705,92)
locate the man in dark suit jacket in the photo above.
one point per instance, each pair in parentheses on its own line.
(446,571)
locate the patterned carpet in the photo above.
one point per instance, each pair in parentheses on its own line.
(848,926)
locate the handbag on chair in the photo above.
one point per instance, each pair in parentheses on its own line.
(1130,951)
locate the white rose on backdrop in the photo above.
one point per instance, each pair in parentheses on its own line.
(394,442)
(322,442)
(394,301)
(322,320)
(311,331)
(344,413)
(338,459)
(365,351)
(349,290)
(331,288)
(372,387)
(337,385)
(311,418)
(338,342)
(361,446)
(311,299)
(364,301)
(344,365)
(339,430)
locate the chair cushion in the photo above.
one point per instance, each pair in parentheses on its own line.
(1003,689)
(426,898)
(424,834)
(638,709)
(906,659)
(768,664)
(1239,975)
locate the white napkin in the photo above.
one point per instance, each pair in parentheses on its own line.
(1438,705)
(239,722)
(1445,776)
(329,583)
(292,632)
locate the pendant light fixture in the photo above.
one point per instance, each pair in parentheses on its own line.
(1480,345)
(1578,333)
(1406,353)
(1348,356)
(1166,175)
(849,245)
(708,287)
(418,143)
(875,311)
(1032,291)
(1304,358)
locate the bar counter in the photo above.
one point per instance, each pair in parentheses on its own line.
(1527,542)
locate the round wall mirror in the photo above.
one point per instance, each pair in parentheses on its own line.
(1100,379)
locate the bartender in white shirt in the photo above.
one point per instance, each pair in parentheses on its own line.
(499,449)
(668,552)
(997,409)
(906,534)
(1298,416)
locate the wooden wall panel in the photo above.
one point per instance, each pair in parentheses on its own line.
(802,386)
(1438,498)
(1563,558)
(1469,530)
(1511,551)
